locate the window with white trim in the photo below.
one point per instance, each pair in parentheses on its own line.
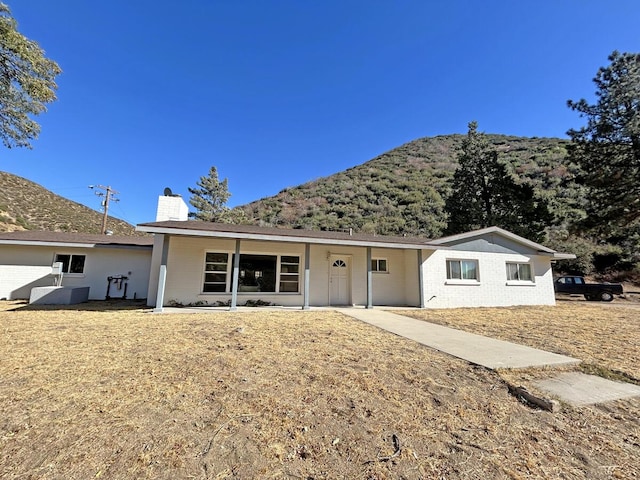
(71,263)
(519,272)
(289,274)
(216,266)
(379,265)
(462,270)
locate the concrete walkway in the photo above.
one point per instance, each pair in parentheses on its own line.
(485,351)
(580,389)
(574,388)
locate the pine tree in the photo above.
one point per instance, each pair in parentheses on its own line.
(27,83)
(210,199)
(484,194)
(607,148)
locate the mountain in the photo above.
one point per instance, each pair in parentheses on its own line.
(402,191)
(25,205)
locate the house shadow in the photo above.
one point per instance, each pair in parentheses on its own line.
(24,291)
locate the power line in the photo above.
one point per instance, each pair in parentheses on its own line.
(107,194)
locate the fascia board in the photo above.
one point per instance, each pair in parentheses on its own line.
(563,256)
(47,244)
(35,243)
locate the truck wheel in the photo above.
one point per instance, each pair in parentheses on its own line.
(606,296)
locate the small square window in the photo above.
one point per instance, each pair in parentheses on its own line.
(379,265)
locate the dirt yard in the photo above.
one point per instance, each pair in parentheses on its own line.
(119,393)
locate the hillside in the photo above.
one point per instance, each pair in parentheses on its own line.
(25,205)
(402,191)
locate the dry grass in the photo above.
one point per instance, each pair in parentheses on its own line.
(606,337)
(122,393)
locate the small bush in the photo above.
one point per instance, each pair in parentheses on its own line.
(257,303)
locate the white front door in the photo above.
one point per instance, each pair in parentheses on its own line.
(340,280)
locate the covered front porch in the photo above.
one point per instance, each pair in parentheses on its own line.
(206,271)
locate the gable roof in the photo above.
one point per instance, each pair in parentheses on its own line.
(452,239)
(67,239)
(253,232)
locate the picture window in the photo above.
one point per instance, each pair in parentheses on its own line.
(256,273)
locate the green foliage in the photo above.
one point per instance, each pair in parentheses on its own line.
(402,191)
(592,257)
(210,199)
(27,83)
(484,194)
(607,148)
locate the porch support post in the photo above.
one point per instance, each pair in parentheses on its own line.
(307,254)
(420,280)
(235,277)
(369,280)
(162,275)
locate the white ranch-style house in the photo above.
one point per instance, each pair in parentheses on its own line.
(200,263)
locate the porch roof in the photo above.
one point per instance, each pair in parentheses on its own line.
(253,232)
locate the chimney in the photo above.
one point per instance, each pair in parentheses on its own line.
(171,207)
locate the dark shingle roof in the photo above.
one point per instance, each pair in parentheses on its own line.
(210,227)
(79,238)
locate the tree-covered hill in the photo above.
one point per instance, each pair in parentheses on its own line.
(403,191)
(25,205)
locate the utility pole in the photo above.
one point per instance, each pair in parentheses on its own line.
(108,194)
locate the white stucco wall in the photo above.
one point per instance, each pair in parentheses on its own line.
(492,289)
(185,270)
(185,273)
(388,288)
(23,267)
(321,256)
(395,286)
(411,282)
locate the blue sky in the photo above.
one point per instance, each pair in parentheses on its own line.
(275,93)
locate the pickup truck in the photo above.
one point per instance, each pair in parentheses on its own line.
(574,285)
